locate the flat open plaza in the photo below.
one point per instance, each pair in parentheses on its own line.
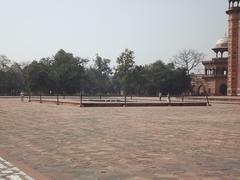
(132,143)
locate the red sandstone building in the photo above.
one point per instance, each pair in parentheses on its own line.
(234,48)
(222,73)
(215,76)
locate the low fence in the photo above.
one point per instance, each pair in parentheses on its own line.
(114,101)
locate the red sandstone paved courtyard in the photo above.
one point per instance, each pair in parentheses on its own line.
(67,142)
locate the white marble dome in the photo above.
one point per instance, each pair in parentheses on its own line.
(222,43)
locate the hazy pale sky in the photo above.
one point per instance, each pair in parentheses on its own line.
(153,29)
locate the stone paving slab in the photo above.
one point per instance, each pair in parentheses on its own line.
(169,143)
(9,172)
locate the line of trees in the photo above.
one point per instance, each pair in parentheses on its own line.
(67,74)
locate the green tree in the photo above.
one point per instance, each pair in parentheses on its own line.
(15,79)
(11,77)
(3,81)
(99,77)
(4,63)
(38,77)
(166,79)
(181,81)
(102,65)
(138,80)
(103,73)
(156,76)
(124,70)
(68,72)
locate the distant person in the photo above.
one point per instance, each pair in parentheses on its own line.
(168,98)
(183,97)
(160,96)
(22,96)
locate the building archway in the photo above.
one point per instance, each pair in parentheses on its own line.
(223,89)
(201,90)
(225,54)
(194,90)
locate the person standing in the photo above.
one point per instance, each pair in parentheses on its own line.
(168,98)
(22,96)
(160,96)
(182,97)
